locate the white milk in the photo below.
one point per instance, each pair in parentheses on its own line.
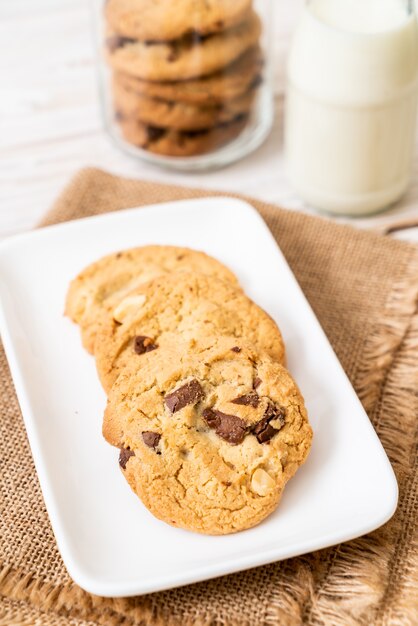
(351,104)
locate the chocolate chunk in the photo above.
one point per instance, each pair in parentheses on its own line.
(263,430)
(190,393)
(257,382)
(115,42)
(230,427)
(249,399)
(144,344)
(155,133)
(211,418)
(124,456)
(274,412)
(151,439)
(236,349)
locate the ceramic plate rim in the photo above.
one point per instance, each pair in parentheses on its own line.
(205,571)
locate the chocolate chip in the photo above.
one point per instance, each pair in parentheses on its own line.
(236,349)
(124,456)
(257,382)
(230,427)
(196,37)
(263,430)
(190,393)
(155,133)
(249,399)
(238,118)
(258,80)
(151,439)
(191,134)
(144,344)
(119,117)
(115,42)
(173,55)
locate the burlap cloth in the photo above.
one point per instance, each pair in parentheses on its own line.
(363,288)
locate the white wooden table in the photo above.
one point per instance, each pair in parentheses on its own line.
(50,124)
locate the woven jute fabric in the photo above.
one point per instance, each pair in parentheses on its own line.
(364,290)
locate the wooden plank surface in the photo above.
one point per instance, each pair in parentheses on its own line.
(50,124)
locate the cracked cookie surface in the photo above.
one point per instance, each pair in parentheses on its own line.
(101,285)
(169,142)
(227,84)
(190,306)
(156,20)
(210,437)
(179,116)
(181,59)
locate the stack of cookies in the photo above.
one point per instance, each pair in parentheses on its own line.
(184,74)
(209,423)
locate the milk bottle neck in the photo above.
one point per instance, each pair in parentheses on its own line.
(362,16)
(355,52)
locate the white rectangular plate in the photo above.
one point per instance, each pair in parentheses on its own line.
(110,543)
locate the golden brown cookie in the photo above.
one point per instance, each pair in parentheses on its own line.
(174,143)
(100,286)
(208,439)
(229,83)
(184,58)
(161,20)
(186,305)
(177,115)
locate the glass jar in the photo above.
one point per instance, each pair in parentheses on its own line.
(186,84)
(351,104)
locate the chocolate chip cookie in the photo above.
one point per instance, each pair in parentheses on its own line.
(98,288)
(188,57)
(161,20)
(184,143)
(208,438)
(180,116)
(189,306)
(227,84)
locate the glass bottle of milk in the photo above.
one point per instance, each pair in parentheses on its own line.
(352,103)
